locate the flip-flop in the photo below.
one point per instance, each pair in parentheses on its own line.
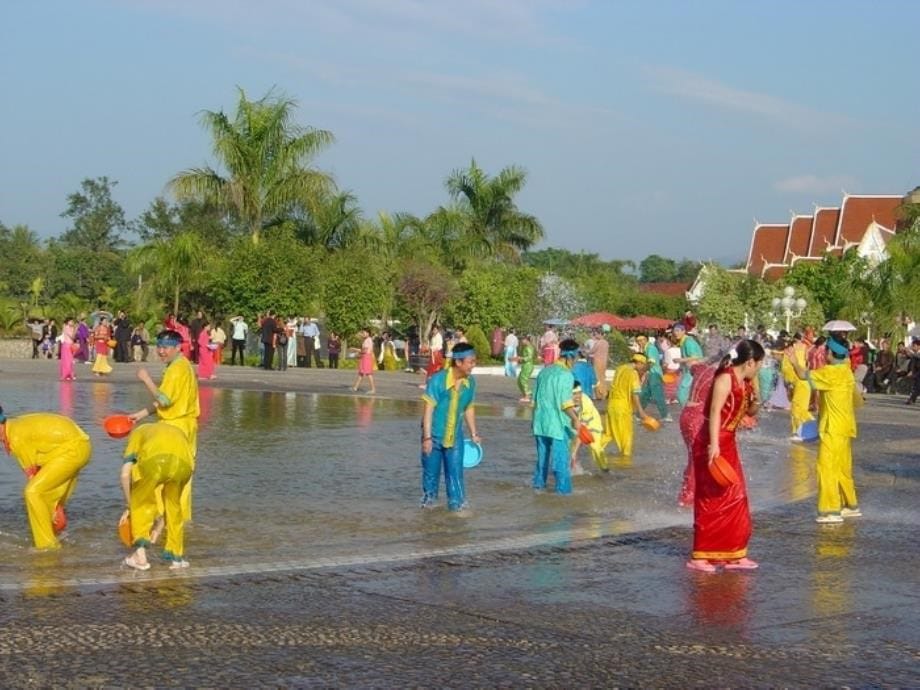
(701,566)
(131,563)
(742,564)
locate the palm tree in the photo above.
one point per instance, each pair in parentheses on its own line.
(265,155)
(483,218)
(171,264)
(333,222)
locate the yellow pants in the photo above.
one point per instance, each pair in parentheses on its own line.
(190,428)
(798,406)
(54,484)
(620,429)
(835,474)
(159,481)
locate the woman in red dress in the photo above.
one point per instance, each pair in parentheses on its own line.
(721,517)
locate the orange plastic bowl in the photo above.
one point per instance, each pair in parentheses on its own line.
(112,343)
(651,423)
(723,472)
(124,531)
(118,425)
(669,378)
(75,347)
(585,435)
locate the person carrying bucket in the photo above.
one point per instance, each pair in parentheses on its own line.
(690,352)
(623,403)
(448,402)
(554,419)
(51,449)
(158,458)
(590,432)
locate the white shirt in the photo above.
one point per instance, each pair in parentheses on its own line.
(240,329)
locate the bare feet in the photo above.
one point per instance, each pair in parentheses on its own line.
(156,530)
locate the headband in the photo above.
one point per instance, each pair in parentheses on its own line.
(680,325)
(168,342)
(639,357)
(463,354)
(2,416)
(569,353)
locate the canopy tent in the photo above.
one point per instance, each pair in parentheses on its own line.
(633,323)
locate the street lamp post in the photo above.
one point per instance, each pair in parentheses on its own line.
(789,306)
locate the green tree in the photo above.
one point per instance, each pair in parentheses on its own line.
(265,155)
(424,289)
(483,220)
(494,295)
(23,259)
(657,269)
(279,273)
(163,221)
(354,290)
(168,265)
(333,222)
(97,219)
(835,281)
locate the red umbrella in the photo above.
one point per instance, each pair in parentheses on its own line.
(599,318)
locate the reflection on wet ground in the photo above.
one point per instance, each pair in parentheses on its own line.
(301,480)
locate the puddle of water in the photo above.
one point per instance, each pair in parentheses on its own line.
(305,480)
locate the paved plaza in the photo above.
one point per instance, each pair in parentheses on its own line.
(832,605)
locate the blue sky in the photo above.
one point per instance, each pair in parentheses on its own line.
(645,128)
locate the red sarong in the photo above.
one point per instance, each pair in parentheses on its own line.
(721,516)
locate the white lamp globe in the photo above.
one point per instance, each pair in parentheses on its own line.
(788,291)
(787,302)
(800,303)
(776,302)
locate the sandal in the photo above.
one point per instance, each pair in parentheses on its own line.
(742,564)
(131,563)
(700,566)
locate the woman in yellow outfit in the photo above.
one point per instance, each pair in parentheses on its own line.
(175,401)
(591,418)
(51,449)
(158,459)
(623,402)
(836,427)
(801,391)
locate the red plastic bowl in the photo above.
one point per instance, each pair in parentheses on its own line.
(723,472)
(118,425)
(585,435)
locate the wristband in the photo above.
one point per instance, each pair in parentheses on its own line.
(426,438)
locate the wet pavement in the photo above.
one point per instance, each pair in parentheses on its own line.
(832,605)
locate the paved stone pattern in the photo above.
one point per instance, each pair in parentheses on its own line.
(831,606)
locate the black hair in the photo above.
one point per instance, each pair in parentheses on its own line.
(743,350)
(569,345)
(171,334)
(460,348)
(820,340)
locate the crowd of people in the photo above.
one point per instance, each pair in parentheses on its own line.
(720,384)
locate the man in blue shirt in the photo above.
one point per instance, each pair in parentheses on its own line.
(448,402)
(555,419)
(310,333)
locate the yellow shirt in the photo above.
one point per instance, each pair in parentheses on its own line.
(33,437)
(178,392)
(838,392)
(159,441)
(788,370)
(625,384)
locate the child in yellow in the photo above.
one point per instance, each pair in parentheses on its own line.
(801,391)
(623,402)
(175,401)
(836,427)
(51,449)
(158,457)
(591,418)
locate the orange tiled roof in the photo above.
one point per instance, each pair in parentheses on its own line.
(768,246)
(857,212)
(669,289)
(823,230)
(799,240)
(773,273)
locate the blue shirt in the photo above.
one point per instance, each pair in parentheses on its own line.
(449,402)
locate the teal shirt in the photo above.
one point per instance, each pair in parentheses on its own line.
(449,403)
(689,347)
(654,358)
(551,397)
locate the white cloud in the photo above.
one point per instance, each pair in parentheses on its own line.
(695,87)
(813,184)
